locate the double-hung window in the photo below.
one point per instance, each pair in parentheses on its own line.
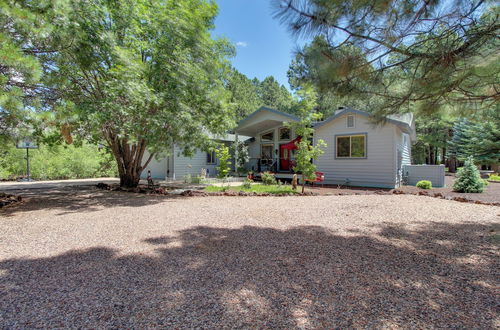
(351,146)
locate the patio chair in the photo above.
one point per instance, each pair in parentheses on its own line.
(320,177)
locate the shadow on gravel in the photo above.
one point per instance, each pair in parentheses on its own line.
(442,276)
(78,199)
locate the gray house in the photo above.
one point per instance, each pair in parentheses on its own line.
(359,152)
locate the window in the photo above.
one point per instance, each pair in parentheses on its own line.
(350,121)
(284,133)
(267,136)
(266,151)
(211,157)
(351,146)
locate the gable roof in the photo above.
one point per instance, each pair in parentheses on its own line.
(262,109)
(405,122)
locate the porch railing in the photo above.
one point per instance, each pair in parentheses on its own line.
(271,164)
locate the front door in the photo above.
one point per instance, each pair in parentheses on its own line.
(284,158)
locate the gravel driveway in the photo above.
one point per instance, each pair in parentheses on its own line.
(98,259)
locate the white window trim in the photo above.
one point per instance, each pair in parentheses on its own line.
(350,136)
(353,121)
(279,134)
(267,132)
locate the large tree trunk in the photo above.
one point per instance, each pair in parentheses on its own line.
(128,157)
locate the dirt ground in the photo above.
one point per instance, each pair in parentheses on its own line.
(88,258)
(490,195)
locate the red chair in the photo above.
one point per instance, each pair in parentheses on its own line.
(320,177)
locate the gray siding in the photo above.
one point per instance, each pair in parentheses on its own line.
(433,173)
(158,168)
(376,170)
(191,165)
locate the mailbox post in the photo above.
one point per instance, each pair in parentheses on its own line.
(27,144)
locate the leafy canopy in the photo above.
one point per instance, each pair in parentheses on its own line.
(427,54)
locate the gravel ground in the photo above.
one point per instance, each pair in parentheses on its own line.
(490,194)
(99,259)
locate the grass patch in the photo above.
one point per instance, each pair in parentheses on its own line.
(494,177)
(258,188)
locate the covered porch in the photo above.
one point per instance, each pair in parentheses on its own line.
(272,147)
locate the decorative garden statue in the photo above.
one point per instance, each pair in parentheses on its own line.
(294,182)
(151,183)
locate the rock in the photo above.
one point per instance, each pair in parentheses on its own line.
(102,185)
(460,199)
(187,193)
(438,195)
(423,193)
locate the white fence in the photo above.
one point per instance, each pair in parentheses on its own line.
(433,173)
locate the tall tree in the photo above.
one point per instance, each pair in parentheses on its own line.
(243,94)
(432,53)
(25,38)
(274,95)
(143,75)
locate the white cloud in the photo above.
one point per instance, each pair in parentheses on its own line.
(241,44)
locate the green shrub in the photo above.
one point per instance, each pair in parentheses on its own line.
(224,164)
(187,178)
(57,162)
(424,184)
(268,178)
(494,177)
(469,179)
(197,179)
(247,184)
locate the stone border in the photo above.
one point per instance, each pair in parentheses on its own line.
(8,199)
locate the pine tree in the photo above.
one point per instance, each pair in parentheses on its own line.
(468,178)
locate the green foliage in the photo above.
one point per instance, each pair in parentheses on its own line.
(224,167)
(433,134)
(274,95)
(268,178)
(494,177)
(243,94)
(240,149)
(306,152)
(26,43)
(479,139)
(247,184)
(248,95)
(258,188)
(424,184)
(58,162)
(143,75)
(399,55)
(468,178)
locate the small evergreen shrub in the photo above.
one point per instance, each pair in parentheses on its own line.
(424,184)
(469,179)
(268,178)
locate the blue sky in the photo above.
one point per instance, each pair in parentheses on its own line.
(264,46)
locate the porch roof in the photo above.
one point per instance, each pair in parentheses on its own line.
(263,119)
